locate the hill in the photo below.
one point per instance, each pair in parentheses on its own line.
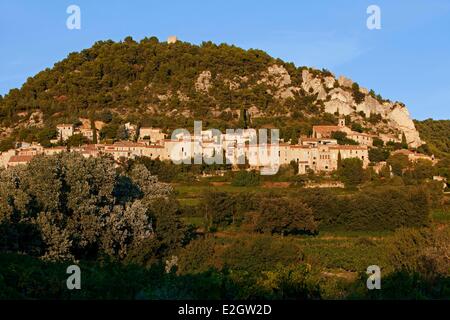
(437,135)
(154,83)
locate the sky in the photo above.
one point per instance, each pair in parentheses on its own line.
(407,60)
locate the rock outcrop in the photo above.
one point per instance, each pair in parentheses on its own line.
(399,116)
(279,79)
(313,85)
(203,83)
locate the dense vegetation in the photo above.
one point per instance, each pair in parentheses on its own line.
(152,83)
(437,135)
(136,238)
(130,78)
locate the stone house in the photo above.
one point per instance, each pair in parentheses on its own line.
(65,131)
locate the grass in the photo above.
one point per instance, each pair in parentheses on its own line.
(441,216)
(189,201)
(195,221)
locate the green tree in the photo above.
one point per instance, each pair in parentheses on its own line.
(377,142)
(218,208)
(94,132)
(404,142)
(80,209)
(342,139)
(422,169)
(77,140)
(45,135)
(378,154)
(7,144)
(357,94)
(399,163)
(246,179)
(351,172)
(357,127)
(284,216)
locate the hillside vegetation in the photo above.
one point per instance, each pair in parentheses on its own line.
(437,135)
(152,83)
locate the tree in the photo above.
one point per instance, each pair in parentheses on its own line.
(399,163)
(339,160)
(246,179)
(357,127)
(342,139)
(378,154)
(285,216)
(357,94)
(377,142)
(122,133)
(6,144)
(351,172)
(77,140)
(404,142)
(422,169)
(45,135)
(76,205)
(218,208)
(94,132)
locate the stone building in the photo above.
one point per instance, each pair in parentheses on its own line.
(324,158)
(65,131)
(153,135)
(172,39)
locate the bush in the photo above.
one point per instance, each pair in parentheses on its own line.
(246,179)
(285,216)
(378,155)
(351,171)
(219,209)
(384,208)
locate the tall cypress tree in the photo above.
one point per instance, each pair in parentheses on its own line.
(339,161)
(404,142)
(94,132)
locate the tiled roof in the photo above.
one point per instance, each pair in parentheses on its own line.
(347,147)
(20,158)
(326,128)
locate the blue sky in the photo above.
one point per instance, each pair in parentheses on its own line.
(407,60)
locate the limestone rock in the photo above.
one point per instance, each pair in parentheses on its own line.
(36,120)
(341,101)
(329,82)
(203,83)
(313,85)
(370,106)
(399,116)
(254,112)
(278,77)
(345,82)
(338,106)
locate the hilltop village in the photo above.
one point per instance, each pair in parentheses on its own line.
(318,153)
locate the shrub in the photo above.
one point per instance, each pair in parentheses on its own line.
(219,208)
(246,179)
(351,171)
(384,208)
(285,216)
(378,155)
